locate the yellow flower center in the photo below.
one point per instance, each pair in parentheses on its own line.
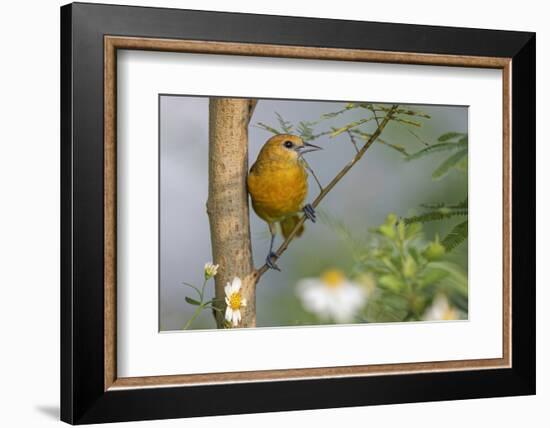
(450,314)
(235,301)
(333,278)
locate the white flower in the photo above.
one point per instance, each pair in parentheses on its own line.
(440,310)
(332,296)
(234,301)
(210,270)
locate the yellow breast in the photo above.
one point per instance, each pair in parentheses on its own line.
(277,189)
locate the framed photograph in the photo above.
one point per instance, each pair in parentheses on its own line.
(265,213)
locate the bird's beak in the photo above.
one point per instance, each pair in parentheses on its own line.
(307,147)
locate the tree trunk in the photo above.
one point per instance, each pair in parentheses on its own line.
(227,204)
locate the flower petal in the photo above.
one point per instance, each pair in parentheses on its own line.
(228,313)
(236,317)
(236,285)
(243,302)
(227,289)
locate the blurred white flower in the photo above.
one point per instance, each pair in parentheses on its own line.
(332,296)
(440,310)
(210,270)
(234,301)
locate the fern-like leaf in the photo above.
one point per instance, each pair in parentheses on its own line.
(434,148)
(449,163)
(286,126)
(450,136)
(342,230)
(396,147)
(456,236)
(348,106)
(435,216)
(268,128)
(407,112)
(349,126)
(366,136)
(442,205)
(305,130)
(407,121)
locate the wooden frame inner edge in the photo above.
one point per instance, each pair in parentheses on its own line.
(112,43)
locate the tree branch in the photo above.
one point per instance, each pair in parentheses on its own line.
(389,115)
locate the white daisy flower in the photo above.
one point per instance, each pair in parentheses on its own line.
(234,302)
(441,310)
(332,296)
(210,270)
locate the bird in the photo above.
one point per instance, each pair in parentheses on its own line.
(278,185)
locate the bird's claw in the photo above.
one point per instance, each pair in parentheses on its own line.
(309,212)
(270,263)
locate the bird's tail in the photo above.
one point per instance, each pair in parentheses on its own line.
(288,225)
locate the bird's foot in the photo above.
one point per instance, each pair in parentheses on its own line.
(270,261)
(309,212)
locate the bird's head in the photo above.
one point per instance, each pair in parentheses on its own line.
(286,148)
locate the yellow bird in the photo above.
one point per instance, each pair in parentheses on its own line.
(277,184)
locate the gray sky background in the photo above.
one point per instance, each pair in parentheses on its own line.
(380,183)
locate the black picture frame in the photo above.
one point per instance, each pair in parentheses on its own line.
(83,398)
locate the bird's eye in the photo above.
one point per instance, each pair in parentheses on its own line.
(288,144)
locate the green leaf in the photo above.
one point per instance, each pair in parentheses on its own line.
(385,306)
(434,148)
(366,136)
(435,250)
(411,113)
(192,301)
(463,165)
(409,267)
(413,229)
(397,147)
(432,275)
(457,280)
(408,122)
(391,282)
(348,106)
(439,205)
(285,125)
(450,136)
(449,163)
(460,301)
(456,236)
(391,219)
(349,126)
(407,112)
(343,231)
(194,288)
(414,254)
(387,230)
(268,128)
(305,130)
(440,214)
(401,230)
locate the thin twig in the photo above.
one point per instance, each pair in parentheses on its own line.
(310,169)
(389,115)
(417,136)
(366,136)
(375,116)
(352,138)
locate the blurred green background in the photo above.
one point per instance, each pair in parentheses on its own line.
(355,264)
